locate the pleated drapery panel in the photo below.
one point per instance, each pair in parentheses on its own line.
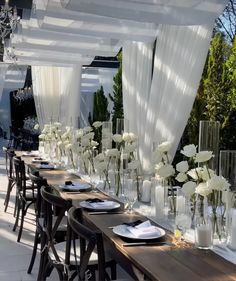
(57,94)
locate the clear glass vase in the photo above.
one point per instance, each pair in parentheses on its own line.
(209,132)
(203,225)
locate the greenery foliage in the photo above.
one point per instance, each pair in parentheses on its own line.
(216,97)
(100,111)
(117,97)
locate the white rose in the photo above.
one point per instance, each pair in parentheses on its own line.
(188,188)
(94,143)
(164,146)
(206,173)
(182,167)
(218,183)
(189,150)
(203,156)
(42,137)
(126,137)
(133,137)
(36,126)
(203,189)
(97,124)
(117,138)
(195,173)
(181,177)
(87,129)
(165,171)
(114,152)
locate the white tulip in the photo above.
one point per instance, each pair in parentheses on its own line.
(181,177)
(203,156)
(188,188)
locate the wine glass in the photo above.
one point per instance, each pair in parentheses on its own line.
(130,192)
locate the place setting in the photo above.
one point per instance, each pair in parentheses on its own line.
(140,233)
(45,165)
(77,186)
(97,206)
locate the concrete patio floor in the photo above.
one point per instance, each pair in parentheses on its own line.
(15,257)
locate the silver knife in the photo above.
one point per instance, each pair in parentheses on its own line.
(145,244)
(102,213)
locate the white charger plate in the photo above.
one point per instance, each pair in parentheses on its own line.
(122,231)
(76,187)
(87,205)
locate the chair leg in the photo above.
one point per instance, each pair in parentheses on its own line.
(9,189)
(23,213)
(18,207)
(36,242)
(43,257)
(113,271)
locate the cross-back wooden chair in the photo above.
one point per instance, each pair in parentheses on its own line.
(26,194)
(59,255)
(9,154)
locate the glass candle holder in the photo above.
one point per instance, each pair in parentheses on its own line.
(106,135)
(209,133)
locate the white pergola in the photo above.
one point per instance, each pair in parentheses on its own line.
(58,37)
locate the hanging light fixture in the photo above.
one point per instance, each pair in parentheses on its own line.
(27,92)
(8,20)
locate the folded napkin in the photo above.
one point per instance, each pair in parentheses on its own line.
(69,185)
(144,230)
(98,203)
(31,153)
(45,166)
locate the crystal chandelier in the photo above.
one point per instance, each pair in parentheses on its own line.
(23,94)
(8,20)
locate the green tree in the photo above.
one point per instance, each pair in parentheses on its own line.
(117,97)
(100,104)
(100,112)
(217,84)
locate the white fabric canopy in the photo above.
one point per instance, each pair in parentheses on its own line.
(173,12)
(56,93)
(179,60)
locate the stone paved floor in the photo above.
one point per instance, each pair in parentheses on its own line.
(15,257)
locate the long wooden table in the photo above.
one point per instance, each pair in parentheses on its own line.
(178,262)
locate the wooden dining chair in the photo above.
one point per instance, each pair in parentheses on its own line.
(59,255)
(26,194)
(38,182)
(90,241)
(9,154)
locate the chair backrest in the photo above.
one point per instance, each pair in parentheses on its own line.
(52,199)
(9,154)
(20,174)
(89,241)
(38,182)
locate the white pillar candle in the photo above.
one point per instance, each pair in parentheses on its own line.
(146,191)
(204,235)
(180,204)
(232,243)
(159,200)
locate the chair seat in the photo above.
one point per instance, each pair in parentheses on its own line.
(61,248)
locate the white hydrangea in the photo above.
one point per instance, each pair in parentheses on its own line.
(218,183)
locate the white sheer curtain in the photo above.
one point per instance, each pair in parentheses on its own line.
(136,78)
(56,94)
(179,60)
(3,71)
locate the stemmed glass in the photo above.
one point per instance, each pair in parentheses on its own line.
(130,192)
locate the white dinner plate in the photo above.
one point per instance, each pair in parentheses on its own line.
(113,205)
(122,231)
(77,186)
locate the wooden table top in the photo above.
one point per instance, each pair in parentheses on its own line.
(176,262)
